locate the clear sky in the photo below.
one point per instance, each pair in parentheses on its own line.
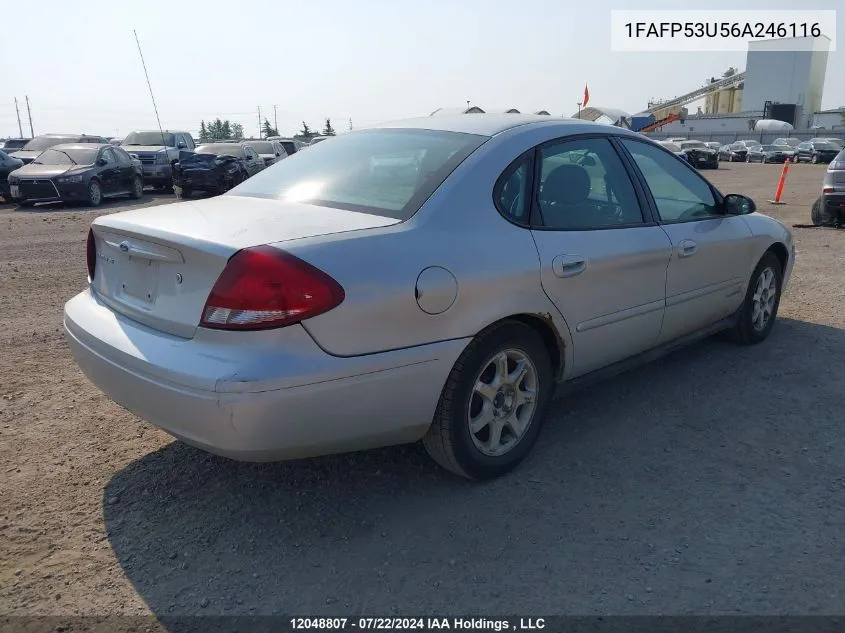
(368,60)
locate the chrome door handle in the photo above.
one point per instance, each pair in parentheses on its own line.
(687,248)
(569,265)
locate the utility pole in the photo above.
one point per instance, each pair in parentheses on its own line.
(20,129)
(579,109)
(275,119)
(350,124)
(259,121)
(29,112)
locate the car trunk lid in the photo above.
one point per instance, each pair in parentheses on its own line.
(157,266)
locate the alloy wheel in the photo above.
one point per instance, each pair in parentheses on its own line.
(763,299)
(503,402)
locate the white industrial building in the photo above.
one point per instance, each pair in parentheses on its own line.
(783,79)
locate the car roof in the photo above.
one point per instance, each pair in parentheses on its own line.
(81,145)
(489,124)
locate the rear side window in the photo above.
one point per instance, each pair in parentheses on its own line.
(388,172)
(584,185)
(512,194)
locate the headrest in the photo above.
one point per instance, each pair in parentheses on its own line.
(567,184)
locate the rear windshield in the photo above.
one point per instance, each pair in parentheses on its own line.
(150,138)
(230,149)
(262,147)
(387,172)
(15,143)
(772,148)
(289,146)
(690,144)
(40,143)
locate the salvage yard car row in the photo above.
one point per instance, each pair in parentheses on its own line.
(88,168)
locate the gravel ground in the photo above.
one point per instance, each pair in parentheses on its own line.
(710,482)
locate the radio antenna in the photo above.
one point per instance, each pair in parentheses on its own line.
(155,107)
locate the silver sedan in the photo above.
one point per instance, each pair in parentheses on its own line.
(433,279)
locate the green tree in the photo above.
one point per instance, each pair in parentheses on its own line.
(328,130)
(268,130)
(306,132)
(226,130)
(215,130)
(203,132)
(237,131)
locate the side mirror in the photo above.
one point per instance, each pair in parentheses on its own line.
(587,161)
(102,161)
(736,204)
(181,145)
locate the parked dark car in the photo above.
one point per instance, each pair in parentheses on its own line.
(7,166)
(157,152)
(769,154)
(699,155)
(78,172)
(830,210)
(816,152)
(215,167)
(733,152)
(292,146)
(836,142)
(713,145)
(270,151)
(673,147)
(14,144)
(35,146)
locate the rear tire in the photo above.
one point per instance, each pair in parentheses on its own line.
(818,214)
(493,403)
(762,298)
(137,188)
(187,192)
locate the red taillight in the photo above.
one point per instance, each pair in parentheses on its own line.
(91,255)
(264,287)
(827,189)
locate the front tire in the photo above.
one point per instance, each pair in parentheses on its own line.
(493,403)
(762,299)
(95,193)
(814,159)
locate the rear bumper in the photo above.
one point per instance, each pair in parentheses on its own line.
(156,175)
(834,202)
(204,180)
(258,396)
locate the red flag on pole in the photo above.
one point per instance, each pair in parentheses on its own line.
(586,96)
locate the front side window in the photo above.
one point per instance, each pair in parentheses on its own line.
(679,193)
(584,185)
(388,172)
(108,156)
(123,158)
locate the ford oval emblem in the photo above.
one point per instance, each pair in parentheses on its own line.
(124,246)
